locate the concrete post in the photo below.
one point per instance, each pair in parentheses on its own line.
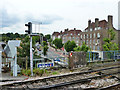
(31,56)
(15,66)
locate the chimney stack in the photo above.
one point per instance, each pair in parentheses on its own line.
(110,21)
(74,28)
(66,30)
(96,22)
(89,23)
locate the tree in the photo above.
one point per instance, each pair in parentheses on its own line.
(82,48)
(45,49)
(58,43)
(50,42)
(44,43)
(24,50)
(70,45)
(48,36)
(109,45)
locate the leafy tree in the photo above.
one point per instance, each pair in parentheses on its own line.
(45,49)
(58,43)
(70,45)
(82,48)
(24,50)
(48,36)
(44,43)
(36,38)
(50,42)
(16,35)
(109,45)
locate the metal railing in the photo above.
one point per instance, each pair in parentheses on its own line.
(102,55)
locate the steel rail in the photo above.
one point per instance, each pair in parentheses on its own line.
(76,73)
(73,82)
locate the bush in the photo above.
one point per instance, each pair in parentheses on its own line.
(38,71)
(26,72)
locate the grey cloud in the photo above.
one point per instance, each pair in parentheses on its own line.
(8,19)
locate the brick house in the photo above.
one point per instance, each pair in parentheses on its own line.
(93,35)
(72,35)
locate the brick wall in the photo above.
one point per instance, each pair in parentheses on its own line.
(77,59)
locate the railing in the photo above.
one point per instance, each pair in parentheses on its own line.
(102,55)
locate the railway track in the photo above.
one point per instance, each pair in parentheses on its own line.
(112,87)
(64,81)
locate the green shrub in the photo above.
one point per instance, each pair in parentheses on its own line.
(38,71)
(54,73)
(26,72)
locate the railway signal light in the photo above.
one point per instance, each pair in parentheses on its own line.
(29,25)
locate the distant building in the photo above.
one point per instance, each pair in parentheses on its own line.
(72,35)
(93,35)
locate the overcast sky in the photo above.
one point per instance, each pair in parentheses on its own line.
(55,15)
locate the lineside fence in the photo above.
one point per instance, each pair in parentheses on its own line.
(102,55)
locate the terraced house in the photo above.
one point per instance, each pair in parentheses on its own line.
(93,34)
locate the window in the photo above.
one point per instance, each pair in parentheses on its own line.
(90,29)
(98,41)
(94,41)
(87,35)
(98,35)
(81,36)
(69,37)
(84,36)
(71,33)
(78,34)
(96,28)
(94,35)
(90,35)
(76,37)
(98,47)
(90,47)
(90,41)
(87,41)
(99,28)
(77,41)
(73,37)
(93,47)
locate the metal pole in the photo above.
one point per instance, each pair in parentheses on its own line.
(0,61)
(31,56)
